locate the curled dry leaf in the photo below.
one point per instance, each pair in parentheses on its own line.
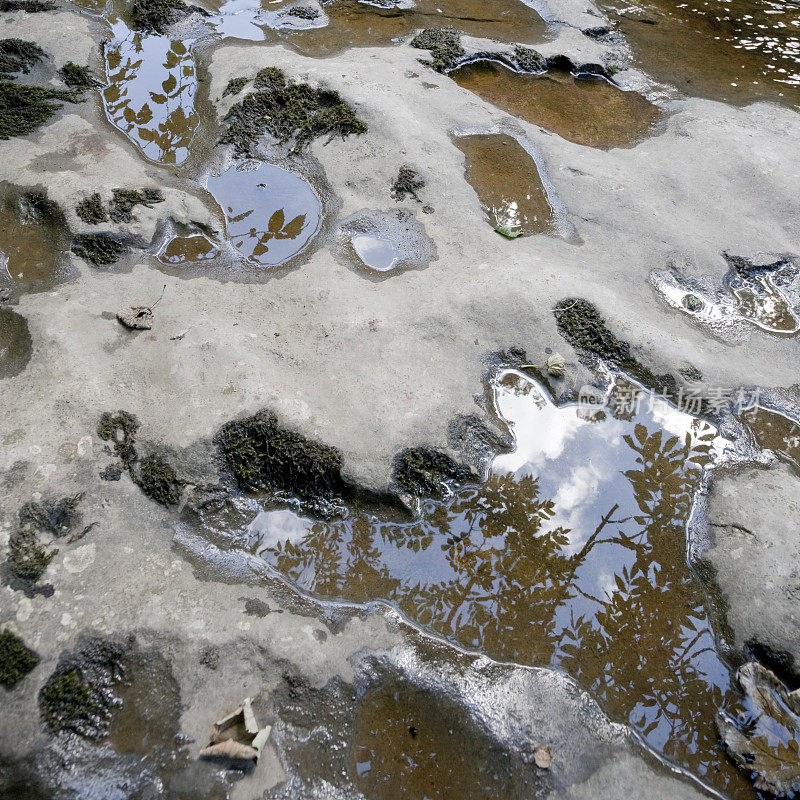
(556,366)
(237,737)
(765,739)
(139,318)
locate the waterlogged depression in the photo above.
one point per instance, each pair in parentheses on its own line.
(571,553)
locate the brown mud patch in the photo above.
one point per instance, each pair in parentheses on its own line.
(586,110)
(774,431)
(507,182)
(737,51)
(15,343)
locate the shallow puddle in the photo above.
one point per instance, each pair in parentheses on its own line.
(15,343)
(774,431)
(181,249)
(571,554)
(507,182)
(767,301)
(376,253)
(32,245)
(352,23)
(152,83)
(736,51)
(409,743)
(588,111)
(271,214)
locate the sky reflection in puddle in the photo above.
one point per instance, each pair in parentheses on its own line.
(152,83)
(271,214)
(572,553)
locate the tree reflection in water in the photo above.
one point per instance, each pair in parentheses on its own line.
(572,553)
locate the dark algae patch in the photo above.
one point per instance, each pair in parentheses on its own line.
(29,6)
(288,111)
(77,77)
(16,659)
(428,473)
(444,46)
(157,479)
(81,693)
(235,86)
(125,200)
(15,343)
(153,474)
(17,55)
(91,210)
(155,16)
(27,558)
(407,182)
(263,455)
(587,110)
(100,249)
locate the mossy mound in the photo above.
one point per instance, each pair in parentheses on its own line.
(125,200)
(91,210)
(427,473)
(120,428)
(77,77)
(288,111)
(78,696)
(157,479)
(235,85)
(528,60)
(262,455)
(100,249)
(581,324)
(17,55)
(444,45)
(406,182)
(30,6)
(156,16)
(16,660)
(27,558)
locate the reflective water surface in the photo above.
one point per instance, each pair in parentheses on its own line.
(188,248)
(376,253)
(351,23)
(588,111)
(152,83)
(774,431)
(30,248)
(507,183)
(271,214)
(731,50)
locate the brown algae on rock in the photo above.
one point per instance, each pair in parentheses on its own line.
(507,182)
(152,83)
(587,110)
(271,214)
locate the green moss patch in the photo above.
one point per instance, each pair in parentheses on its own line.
(427,473)
(100,249)
(261,454)
(157,479)
(528,60)
(120,429)
(30,6)
(288,111)
(24,108)
(27,558)
(444,45)
(125,200)
(91,210)
(79,695)
(235,85)
(16,660)
(17,55)
(77,77)
(156,16)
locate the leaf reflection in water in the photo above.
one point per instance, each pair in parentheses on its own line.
(571,553)
(152,82)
